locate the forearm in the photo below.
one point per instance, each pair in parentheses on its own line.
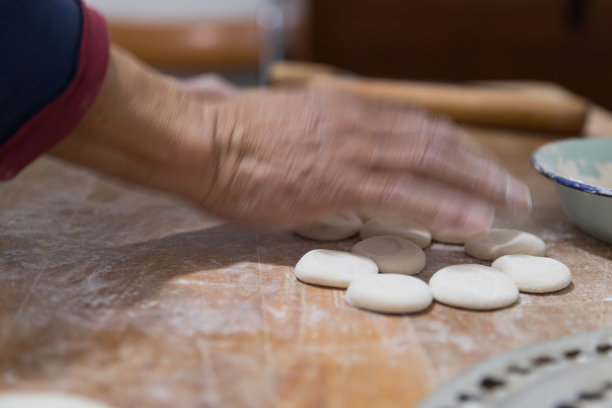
(287,157)
(142,128)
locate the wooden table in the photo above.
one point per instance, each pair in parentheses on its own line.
(142,301)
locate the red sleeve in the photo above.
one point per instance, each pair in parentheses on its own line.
(56,120)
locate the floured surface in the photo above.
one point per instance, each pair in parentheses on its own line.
(31,399)
(138,300)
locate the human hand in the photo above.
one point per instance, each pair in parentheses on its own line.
(287,157)
(291,156)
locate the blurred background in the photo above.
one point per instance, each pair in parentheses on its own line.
(562,41)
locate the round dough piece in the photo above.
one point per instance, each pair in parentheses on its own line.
(409,230)
(535,274)
(473,286)
(494,243)
(39,399)
(392,254)
(335,228)
(333,268)
(389,293)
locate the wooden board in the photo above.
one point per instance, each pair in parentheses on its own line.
(142,301)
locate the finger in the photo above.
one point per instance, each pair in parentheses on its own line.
(434,152)
(440,207)
(431,146)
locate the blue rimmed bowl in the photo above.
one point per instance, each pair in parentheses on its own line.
(589,206)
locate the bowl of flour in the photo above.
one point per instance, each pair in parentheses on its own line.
(582,172)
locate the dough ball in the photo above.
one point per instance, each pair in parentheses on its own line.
(46,400)
(494,243)
(473,286)
(534,274)
(389,293)
(333,268)
(409,230)
(335,228)
(392,254)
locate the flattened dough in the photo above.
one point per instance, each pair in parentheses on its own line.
(392,254)
(534,274)
(389,293)
(473,286)
(409,230)
(333,268)
(39,399)
(335,228)
(494,243)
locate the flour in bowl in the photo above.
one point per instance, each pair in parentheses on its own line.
(569,169)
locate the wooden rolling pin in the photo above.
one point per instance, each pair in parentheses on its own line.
(535,107)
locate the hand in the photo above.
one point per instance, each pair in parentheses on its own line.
(289,157)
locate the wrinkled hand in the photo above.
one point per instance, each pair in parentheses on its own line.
(289,157)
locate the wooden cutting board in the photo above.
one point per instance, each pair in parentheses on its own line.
(142,301)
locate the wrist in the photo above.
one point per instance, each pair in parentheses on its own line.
(143,128)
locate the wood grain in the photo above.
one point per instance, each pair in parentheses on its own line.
(140,300)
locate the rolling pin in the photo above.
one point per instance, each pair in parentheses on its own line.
(537,108)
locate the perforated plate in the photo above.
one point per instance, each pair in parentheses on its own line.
(571,372)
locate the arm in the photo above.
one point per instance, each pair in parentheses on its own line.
(142,128)
(265,157)
(286,157)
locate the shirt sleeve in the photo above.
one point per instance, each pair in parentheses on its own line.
(54,59)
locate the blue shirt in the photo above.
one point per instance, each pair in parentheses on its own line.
(39,46)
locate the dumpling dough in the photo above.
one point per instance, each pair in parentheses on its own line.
(333,268)
(473,286)
(494,243)
(392,254)
(389,293)
(534,274)
(409,230)
(46,400)
(335,228)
